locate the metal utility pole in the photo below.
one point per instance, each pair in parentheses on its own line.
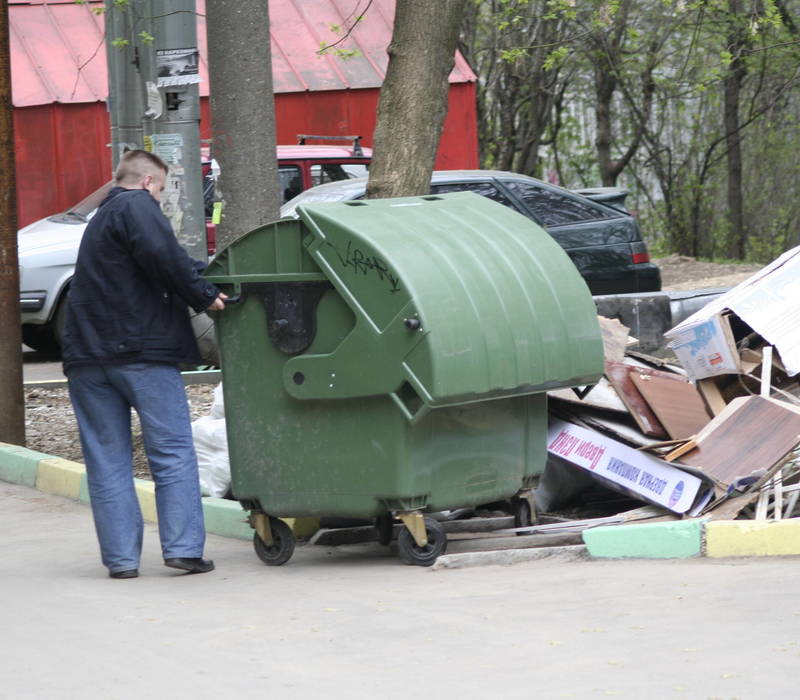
(170,68)
(12,398)
(243,113)
(125,87)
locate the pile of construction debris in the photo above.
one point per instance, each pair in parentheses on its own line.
(715,434)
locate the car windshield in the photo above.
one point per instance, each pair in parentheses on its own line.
(333,192)
(84,209)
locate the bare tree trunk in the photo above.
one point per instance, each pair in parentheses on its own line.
(605,84)
(506,133)
(243,114)
(12,403)
(732,85)
(413,101)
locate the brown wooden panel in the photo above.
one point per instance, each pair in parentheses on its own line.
(619,376)
(752,435)
(677,405)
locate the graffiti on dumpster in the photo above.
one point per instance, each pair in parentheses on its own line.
(365,264)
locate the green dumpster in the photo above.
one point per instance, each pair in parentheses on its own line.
(390,358)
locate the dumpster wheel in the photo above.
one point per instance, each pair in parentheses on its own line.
(384,524)
(411,553)
(521,510)
(282,547)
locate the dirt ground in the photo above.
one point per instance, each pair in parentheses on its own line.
(50,422)
(681,273)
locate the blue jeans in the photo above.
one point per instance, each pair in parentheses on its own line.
(102,397)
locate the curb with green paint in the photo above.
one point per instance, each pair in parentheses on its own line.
(673,540)
(61,477)
(683,539)
(667,540)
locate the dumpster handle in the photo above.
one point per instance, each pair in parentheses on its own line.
(410,417)
(233,299)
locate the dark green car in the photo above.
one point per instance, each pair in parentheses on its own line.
(601,238)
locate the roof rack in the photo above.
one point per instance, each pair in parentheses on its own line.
(357,152)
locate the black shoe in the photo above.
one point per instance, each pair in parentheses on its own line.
(193,565)
(128,573)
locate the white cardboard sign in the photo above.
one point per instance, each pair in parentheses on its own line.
(653,479)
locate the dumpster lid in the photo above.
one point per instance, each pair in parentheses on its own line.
(456,298)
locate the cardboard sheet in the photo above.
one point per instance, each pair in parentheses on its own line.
(602,395)
(768,302)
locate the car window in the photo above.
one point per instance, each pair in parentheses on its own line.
(485,189)
(87,206)
(290,181)
(553,208)
(354,170)
(328,172)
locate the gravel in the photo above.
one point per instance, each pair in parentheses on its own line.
(50,425)
(50,422)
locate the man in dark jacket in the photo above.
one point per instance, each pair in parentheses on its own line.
(126,332)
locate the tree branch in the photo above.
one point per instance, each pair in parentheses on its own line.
(349,31)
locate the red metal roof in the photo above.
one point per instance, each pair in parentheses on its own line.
(58,51)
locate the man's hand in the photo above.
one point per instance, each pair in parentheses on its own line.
(219,303)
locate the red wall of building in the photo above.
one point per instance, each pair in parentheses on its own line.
(63,154)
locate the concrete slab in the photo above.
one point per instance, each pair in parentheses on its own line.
(748,538)
(19,465)
(678,539)
(146,494)
(61,477)
(226,518)
(506,557)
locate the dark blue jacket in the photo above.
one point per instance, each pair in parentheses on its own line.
(132,285)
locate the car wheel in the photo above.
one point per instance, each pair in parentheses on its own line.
(203,328)
(40,338)
(59,318)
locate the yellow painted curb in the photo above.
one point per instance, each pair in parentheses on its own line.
(60,477)
(146,493)
(747,538)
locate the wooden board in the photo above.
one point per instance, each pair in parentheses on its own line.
(753,434)
(711,394)
(677,405)
(729,508)
(619,376)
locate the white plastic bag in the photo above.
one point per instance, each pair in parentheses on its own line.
(211,446)
(218,407)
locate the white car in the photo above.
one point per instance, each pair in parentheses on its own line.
(48,248)
(47,251)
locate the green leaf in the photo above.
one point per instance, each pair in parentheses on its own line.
(555,57)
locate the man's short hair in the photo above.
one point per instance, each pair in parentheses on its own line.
(134,165)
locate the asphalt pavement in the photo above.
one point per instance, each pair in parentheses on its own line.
(39,367)
(353,622)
